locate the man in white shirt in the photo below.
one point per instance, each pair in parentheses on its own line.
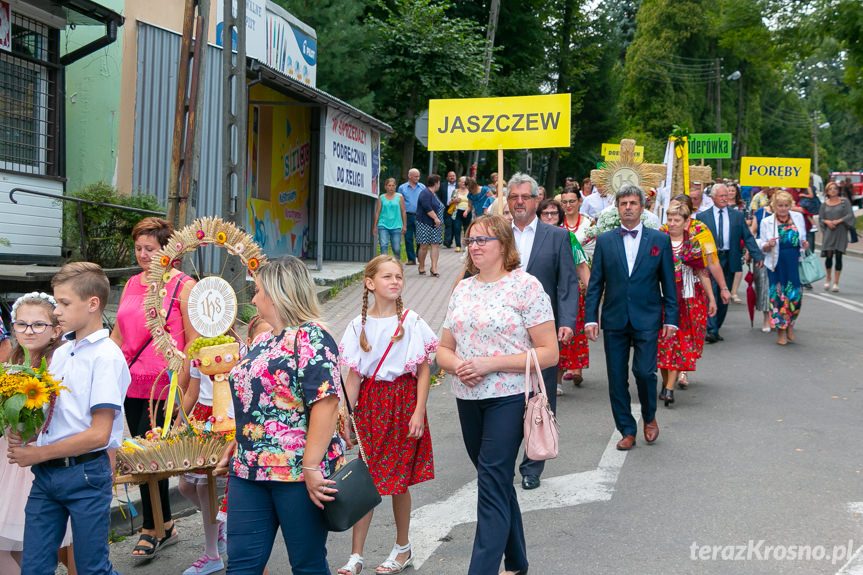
(699,201)
(596,202)
(546,254)
(445,194)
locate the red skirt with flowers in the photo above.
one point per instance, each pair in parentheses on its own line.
(201,412)
(575,354)
(683,350)
(383,415)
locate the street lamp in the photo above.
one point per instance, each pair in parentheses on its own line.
(737,75)
(815,127)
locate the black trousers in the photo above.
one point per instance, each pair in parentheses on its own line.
(138,417)
(715,322)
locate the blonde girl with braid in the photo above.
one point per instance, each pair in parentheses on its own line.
(387,351)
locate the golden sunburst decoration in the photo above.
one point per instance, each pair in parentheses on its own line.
(626,170)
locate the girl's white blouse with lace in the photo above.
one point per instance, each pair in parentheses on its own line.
(414,348)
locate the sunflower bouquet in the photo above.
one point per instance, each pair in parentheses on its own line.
(27,397)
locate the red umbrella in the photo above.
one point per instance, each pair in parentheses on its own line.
(750,295)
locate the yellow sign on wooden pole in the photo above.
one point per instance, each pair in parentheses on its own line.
(500,123)
(612,152)
(779,172)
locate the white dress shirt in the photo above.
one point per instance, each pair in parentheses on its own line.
(97,377)
(706,204)
(595,203)
(630,245)
(524,241)
(723,243)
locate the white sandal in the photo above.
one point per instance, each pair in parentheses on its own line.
(393,566)
(354,566)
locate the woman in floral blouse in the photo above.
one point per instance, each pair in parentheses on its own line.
(286,399)
(494,317)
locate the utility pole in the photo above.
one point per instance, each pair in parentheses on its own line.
(493,14)
(718,111)
(739,121)
(815,141)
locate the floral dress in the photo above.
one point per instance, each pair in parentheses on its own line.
(681,351)
(786,294)
(575,353)
(273,393)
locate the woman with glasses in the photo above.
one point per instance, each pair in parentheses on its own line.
(574,354)
(494,317)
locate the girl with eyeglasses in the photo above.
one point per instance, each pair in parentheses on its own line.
(36,330)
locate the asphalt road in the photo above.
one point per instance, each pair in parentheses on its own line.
(757,466)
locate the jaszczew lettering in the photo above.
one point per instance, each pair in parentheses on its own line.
(491,123)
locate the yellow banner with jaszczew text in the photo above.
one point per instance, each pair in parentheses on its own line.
(500,123)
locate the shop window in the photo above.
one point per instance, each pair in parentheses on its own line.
(28,99)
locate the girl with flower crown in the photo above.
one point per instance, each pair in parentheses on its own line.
(36,331)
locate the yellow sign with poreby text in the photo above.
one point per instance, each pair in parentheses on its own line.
(779,172)
(612,152)
(500,123)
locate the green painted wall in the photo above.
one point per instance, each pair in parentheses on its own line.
(92,105)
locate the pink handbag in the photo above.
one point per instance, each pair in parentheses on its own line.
(540,427)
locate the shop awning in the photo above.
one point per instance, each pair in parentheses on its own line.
(311,94)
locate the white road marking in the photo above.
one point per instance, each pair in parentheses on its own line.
(854,566)
(431,523)
(841,302)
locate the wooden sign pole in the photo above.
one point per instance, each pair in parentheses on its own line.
(500,174)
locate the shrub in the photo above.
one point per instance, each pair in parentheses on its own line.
(107,231)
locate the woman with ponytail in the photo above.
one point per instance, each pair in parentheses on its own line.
(388,351)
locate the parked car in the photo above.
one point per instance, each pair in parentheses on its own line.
(856,183)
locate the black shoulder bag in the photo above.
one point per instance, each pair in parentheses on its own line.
(357,494)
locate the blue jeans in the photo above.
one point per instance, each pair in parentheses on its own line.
(82,492)
(410,234)
(256,510)
(392,237)
(492,430)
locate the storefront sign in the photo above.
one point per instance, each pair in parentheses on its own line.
(351,151)
(279,173)
(709,146)
(779,172)
(290,50)
(612,152)
(256,26)
(524,122)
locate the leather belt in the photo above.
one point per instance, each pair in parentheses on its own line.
(70,461)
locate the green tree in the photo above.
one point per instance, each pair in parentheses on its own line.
(416,65)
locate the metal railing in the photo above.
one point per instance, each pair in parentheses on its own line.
(80,212)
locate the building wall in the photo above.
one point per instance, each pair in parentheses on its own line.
(92,106)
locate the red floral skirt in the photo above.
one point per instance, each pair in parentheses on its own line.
(201,412)
(683,350)
(575,354)
(383,414)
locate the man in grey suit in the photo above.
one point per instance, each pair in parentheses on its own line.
(729,228)
(546,254)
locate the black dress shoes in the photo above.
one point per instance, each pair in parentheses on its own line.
(711,337)
(530,482)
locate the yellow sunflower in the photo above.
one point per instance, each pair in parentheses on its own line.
(36,392)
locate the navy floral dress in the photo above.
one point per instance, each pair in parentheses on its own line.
(272,403)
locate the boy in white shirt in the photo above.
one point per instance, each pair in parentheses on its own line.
(72,470)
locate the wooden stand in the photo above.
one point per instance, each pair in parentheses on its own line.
(152,481)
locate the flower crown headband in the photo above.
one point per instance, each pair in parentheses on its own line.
(29,296)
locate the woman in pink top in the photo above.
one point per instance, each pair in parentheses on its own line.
(147,365)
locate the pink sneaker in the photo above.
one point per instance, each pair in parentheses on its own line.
(205,565)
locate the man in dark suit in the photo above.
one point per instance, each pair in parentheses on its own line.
(546,254)
(444,194)
(729,228)
(630,265)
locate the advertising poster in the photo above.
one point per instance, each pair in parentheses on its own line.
(279,174)
(256,23)
(291,50)
(352,154)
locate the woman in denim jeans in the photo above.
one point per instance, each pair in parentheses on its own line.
(390,219)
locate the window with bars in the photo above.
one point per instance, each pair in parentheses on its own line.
(28,99)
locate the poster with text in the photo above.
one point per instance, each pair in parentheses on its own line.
(352,153)
(256,24)
(279,153)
